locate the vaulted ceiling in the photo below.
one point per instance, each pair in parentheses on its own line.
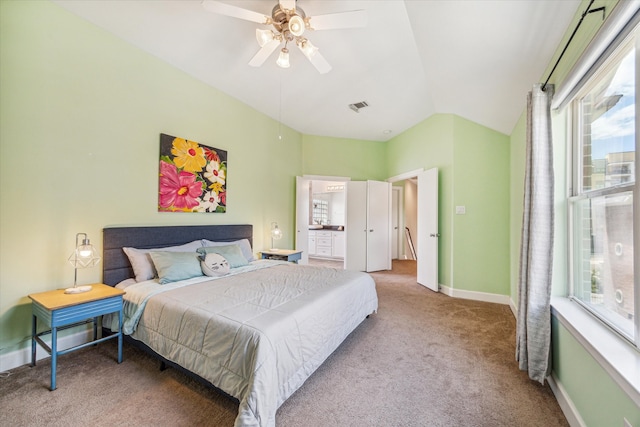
(413,59)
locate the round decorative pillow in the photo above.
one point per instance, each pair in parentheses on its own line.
(214,265)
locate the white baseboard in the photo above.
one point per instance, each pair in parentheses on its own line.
(21,357)
(513,307)
(566,404)
(477,296)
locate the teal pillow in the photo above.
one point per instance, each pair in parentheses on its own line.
(232,253)
(174,266)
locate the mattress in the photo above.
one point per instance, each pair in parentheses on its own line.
(257,334)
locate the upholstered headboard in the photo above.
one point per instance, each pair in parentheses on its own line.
(116,266)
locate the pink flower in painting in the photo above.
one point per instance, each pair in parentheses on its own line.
(178,190)
(223,198)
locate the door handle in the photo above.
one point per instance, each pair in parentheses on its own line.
(371,231)
(434,235)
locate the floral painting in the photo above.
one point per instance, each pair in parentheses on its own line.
(193,177)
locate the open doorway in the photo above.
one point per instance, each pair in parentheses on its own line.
(419,220)
(320,220)
(404,219)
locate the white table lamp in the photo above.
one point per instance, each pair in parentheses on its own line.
(84,256)
(276,234)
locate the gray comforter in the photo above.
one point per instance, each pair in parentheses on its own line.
(257,335)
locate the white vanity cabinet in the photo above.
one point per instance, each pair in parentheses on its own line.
(312,242)
(326,243)
(337,247)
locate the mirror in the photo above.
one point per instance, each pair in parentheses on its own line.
(327,203)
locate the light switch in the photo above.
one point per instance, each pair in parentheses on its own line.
(461,210)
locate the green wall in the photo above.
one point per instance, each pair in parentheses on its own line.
(360,160)
(473,165)
(481,184)
(596,396)
(598,399)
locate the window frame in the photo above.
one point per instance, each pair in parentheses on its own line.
(576,191)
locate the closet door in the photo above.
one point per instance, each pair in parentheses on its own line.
(368,226)
(355,257)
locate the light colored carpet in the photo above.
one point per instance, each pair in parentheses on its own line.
(423,360)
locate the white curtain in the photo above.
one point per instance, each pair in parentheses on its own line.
(533,338)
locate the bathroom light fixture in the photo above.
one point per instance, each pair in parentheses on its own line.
(84,256)
(276,234)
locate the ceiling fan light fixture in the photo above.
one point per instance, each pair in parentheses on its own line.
(283,58)
(264,36)
(308,49)
(296,25)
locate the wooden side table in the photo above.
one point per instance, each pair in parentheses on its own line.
(61,311)
(282,255)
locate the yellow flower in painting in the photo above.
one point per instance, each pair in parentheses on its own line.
(216,187)
(188,155)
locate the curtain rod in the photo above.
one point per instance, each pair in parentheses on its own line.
(585,13)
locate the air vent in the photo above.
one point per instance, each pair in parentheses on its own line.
(358,105)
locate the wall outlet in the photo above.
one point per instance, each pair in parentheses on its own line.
(627,423)
(461,210)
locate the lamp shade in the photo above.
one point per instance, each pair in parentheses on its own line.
(276,233)
(283,59)
(308,49)
(264,36)
(296,25)
(84,256)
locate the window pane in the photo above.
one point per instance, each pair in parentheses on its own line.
(320,213)
(608,128)
(603,242)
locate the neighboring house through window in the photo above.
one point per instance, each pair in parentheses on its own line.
(601,200)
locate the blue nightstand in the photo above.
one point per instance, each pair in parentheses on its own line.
(61,311)
(282,255)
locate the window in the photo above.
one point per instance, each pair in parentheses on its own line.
(320,211)
(601,202)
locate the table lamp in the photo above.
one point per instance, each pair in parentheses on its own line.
(276,234)
(84,256)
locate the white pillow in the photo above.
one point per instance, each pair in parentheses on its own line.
(142,265)
(244,245)
(214,265)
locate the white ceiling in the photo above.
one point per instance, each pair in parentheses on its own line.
(415,58)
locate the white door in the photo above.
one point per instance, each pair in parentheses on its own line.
(395,223)
(355,257)
(427,233)
(368,226)
(302,217)
(378,226)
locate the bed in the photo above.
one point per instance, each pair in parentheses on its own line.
(256,333)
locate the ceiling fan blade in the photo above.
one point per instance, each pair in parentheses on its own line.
(234,11)
(332,21)
(262,55)
(317,60)
(287,4)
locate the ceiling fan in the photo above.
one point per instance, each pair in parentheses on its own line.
(290,23)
